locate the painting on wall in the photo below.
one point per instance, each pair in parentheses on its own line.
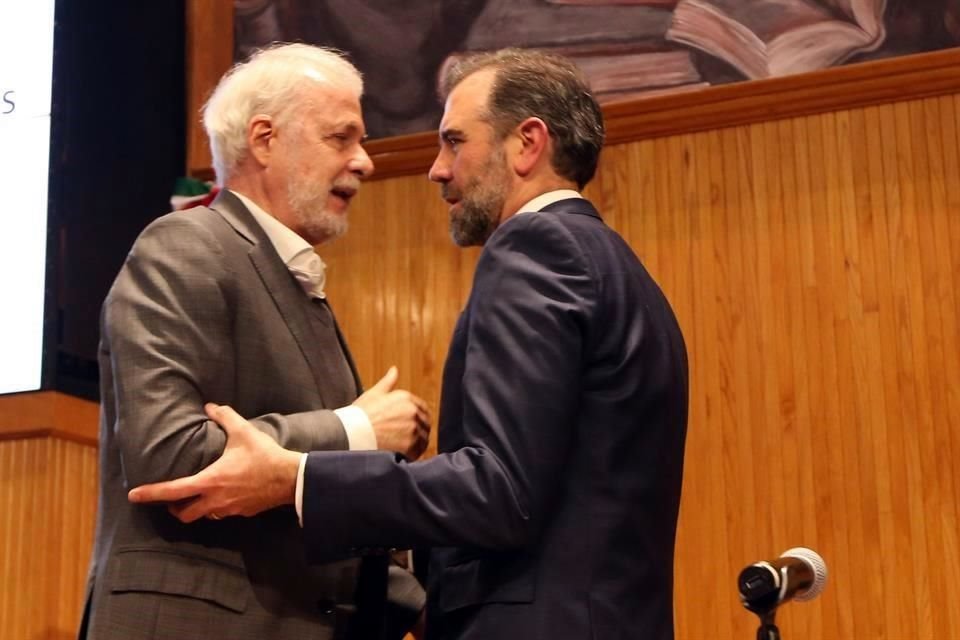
(628,48)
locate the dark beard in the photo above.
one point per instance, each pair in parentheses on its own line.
(474,224)
(481,204)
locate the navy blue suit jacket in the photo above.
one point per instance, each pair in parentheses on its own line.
(551,509)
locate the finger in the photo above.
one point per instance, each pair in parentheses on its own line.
(424,440)
(226,417)
(169,491)
(423,418)
(421,404)
(422,421)
(387,382)
(417,450)
(191,511)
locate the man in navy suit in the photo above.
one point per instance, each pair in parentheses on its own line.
(551,508)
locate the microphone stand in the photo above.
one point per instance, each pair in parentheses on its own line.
(768,629)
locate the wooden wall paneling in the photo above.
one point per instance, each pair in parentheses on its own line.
(938,292)
(938,295)
(716,293)
(709,227)
(830,493)
(806,336)
(47,515)
(913,367)
(9,548)
(766,217)
(732,403)
(738,289)
(812,270)
(858,459)
(670,267)
(209,44)
(943,295)
(942,129)
(925,330)
(951,140)
(897,389)
(871,428)
(791,359)
(48,489)
(792,441)
(672,168)
(879,328)
(75,467)
(951,132)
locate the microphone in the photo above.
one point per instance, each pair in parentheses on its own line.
(799,574)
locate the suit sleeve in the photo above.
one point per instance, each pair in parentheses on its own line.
(528,316)
(167,338)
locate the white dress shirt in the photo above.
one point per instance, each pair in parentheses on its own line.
(310,271)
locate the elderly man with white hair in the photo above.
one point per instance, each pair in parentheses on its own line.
(227,304)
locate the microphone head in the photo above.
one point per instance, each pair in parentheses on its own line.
(819,568)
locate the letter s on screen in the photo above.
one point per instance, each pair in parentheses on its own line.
(7,105)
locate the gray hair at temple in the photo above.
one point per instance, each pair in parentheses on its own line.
(533,83)
(268,83)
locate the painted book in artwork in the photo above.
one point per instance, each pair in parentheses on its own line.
(767,38)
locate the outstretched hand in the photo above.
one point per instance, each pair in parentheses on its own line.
(253,474)
(400,420)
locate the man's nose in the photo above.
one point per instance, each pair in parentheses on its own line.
(361,164)
(440,170)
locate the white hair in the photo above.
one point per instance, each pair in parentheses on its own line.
(267,83)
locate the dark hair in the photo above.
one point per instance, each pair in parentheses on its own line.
(531,83)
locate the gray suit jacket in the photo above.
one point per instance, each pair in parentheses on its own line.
(204,310)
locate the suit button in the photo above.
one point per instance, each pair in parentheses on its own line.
(326,607)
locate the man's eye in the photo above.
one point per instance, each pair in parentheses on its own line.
(339,138)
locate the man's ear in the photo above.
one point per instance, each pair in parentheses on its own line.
(535,143)
(260,136)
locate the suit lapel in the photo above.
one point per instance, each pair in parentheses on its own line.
(346,353)
(282,287)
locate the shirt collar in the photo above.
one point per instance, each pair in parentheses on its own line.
(286,241)
(548,198)
(295,252)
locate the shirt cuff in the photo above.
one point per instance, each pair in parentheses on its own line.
(298,499)
(360,434)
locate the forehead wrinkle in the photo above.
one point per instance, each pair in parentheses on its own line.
(328,113)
